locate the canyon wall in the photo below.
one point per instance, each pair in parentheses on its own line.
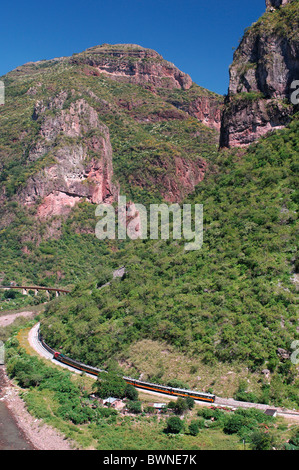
(264,67)
(77,151)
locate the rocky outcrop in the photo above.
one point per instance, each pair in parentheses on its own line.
(264,67)
(188,174)
(75,146)
(179,178)
(207,110)
(133,64)
(276,3)
(244,122)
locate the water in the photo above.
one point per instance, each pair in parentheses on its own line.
(11,437)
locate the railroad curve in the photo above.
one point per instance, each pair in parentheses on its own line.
(219,402)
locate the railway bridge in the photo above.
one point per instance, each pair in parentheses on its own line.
(36,289)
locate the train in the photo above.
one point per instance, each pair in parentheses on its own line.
(178,392)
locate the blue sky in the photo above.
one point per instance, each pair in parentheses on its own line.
(198,36)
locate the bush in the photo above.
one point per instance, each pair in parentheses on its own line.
(174,425)
(194,428)
(131,392)
(190,403)
(261,441)
(134,407)
(233,424)
(110,385)
(179,406)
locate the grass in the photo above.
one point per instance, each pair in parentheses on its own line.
(157,359)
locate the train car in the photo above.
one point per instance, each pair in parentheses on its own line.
(207,397)
(41,340)
(76,364)
(137,383)
(194,394)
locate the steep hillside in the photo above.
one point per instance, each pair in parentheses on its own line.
(232,301)
(84,129)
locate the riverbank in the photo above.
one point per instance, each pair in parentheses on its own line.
(39,435)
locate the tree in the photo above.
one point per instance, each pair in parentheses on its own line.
(110,385)
(131,392)
(180,406)
(233,424)
(134,406)
(174,425)
(190,403)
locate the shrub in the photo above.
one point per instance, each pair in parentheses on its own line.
(174,425)
(111,385)
(131,392)
(194,428)
(134,406)
(233,424)
(261,440)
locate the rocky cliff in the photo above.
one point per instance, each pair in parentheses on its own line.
(276,3)
(145,67)
(79,144)
(264,67)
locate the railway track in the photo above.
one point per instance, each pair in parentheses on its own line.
(40,346)
(219,401)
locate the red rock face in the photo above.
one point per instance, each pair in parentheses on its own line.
(56,203)
(132,64)
(187,175)
(75,176)
(72,149)
(264,67)
(206,110)
(244,123)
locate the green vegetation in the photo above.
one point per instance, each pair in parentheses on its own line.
(112,385)
(282,22)
(247,96)
(66,401)
(233,300)
(141,152)
(229,306)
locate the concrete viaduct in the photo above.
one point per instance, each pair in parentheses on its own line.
(25,289)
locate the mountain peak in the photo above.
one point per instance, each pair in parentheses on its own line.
(134,64)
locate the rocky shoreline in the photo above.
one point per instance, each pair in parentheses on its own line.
(37,433)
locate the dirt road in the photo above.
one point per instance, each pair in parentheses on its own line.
(9,318)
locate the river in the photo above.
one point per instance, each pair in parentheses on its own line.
(11,437)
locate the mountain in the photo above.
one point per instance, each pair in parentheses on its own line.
(113,118)
(120,120)
(265,65)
